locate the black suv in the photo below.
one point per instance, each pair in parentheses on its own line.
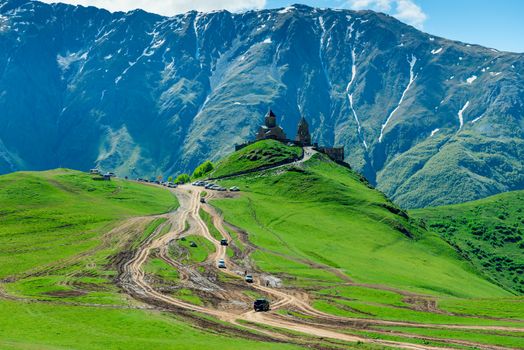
(261,305)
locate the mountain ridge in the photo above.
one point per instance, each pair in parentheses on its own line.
(144,94)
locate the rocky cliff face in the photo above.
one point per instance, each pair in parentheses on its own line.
(428,120)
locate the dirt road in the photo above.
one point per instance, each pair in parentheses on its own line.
(132,279)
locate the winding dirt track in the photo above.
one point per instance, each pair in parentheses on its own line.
(132,279)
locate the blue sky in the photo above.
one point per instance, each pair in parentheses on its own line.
(492,23)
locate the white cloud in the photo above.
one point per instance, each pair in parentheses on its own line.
(409,12)
(405,10)
(377,5)
(169,7)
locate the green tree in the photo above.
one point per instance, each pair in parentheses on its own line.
(182,179)
(203,169)
(170,179)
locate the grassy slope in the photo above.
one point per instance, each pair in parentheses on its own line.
(53,215)
(489,232)
(48,218)
(326,215)
(44,326)
(266,152)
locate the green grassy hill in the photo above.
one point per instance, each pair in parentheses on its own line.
(488,232)
(53,215)
(317,226)
(257,155)
(324,214)
(56,252)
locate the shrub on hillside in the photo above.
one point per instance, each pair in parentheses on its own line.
(203,169)
(182,179)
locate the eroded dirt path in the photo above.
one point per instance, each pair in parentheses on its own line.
(322,325)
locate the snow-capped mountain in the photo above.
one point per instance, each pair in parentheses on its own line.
(428,120)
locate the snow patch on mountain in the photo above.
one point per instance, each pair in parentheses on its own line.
(286,10)
(412,78)
(350,97)
(461,114)
(64,62)
(197,41)
(477,119)
(4,24)
(437,51)
(267,41)
(321,47)
(434,132)
(471,79)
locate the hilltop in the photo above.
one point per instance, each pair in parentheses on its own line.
(256,156)
(328,214)
(428,121)
(489,232)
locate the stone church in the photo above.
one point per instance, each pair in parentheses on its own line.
(271,130)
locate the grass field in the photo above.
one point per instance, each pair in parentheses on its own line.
(55,257)
(488,232)
(317,223)
(326,215)
(318,227)
(193,255)
(259,154)
(53,327)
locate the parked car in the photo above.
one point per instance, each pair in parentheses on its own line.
(111,174)
(208,186)
(94,171)
(171,185)
(192,244)
(249,278)
(261,305)
(221,264)
(224,242)
(234,189)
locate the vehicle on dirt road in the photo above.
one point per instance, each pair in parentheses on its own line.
(249,278)
(221,264)
(261,305)
(224,242)
(202,200)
